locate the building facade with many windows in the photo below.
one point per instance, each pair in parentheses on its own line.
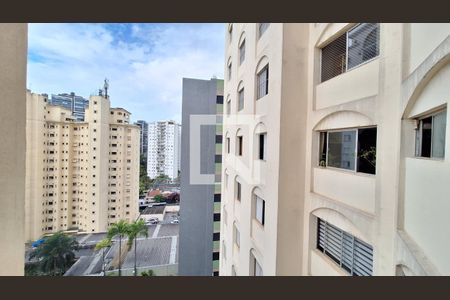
(371,114)
(80,176)
(143,139)
(163,149)
(76,104)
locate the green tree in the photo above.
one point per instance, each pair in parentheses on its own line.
(102,245)
(120,230)
(144,180)
(136,229)
(148,273)
(159,198)
(56,254)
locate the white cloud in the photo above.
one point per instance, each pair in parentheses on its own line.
(145,63)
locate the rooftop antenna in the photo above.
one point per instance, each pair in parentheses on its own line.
(105,87)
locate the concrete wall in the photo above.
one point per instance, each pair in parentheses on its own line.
(13,63)
(197,200)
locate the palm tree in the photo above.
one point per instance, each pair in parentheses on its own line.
(56,254)
(136,229)
(119,229)
(102,245)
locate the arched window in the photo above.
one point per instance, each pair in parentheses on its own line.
(262,77)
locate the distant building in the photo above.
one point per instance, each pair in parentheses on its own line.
(143,150)
(80,176)
(200,203)
(163,149)
(76,104)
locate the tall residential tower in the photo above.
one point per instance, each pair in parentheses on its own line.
(80,176)
(163,149)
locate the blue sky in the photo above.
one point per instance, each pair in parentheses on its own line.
(145,63)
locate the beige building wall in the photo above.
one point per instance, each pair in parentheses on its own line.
(13,63)
(280,114)
(399,211)
(81,176)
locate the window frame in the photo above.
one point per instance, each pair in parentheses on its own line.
(264,153)
(241,92)
(265,27)
(263,212)
(343,261)
(356,129)
(242,52)
(347,69)
(258,84)
(419,134)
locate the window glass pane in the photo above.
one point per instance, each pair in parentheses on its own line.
(439,124)
(263,82)
(241,100)
(262,146)
(367,150)
(341,149)
(362,43)
(242,52)
(262,28)
(323,149)
(258,269)
(260,207)
(425,125)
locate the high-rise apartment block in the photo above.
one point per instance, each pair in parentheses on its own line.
(13,63)
(76,104)
(335,157)
(163,149)
(143,139)
(201,155)
(80,176)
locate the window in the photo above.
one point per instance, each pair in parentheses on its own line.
(260,209)
(238,191)
(257,269)
(262,138)
(237,236)
(239,145)
(242,52)
(229,70)
(353,149)
(430,135)
(228,145)
(350,253)
(262,82)
(228,106)
(356,46)
(230,33)
(241,99)
(262,27)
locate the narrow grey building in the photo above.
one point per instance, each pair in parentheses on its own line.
(143,137)
(200,203)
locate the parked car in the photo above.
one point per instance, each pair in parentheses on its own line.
(175,221)
(152,221)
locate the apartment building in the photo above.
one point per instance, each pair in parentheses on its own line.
(76,104)
(264,129)
(13,63)
(143,139)
(374,151)
(201,155)
(80,176)
(164,139)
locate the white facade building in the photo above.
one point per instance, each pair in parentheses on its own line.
(163,149)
